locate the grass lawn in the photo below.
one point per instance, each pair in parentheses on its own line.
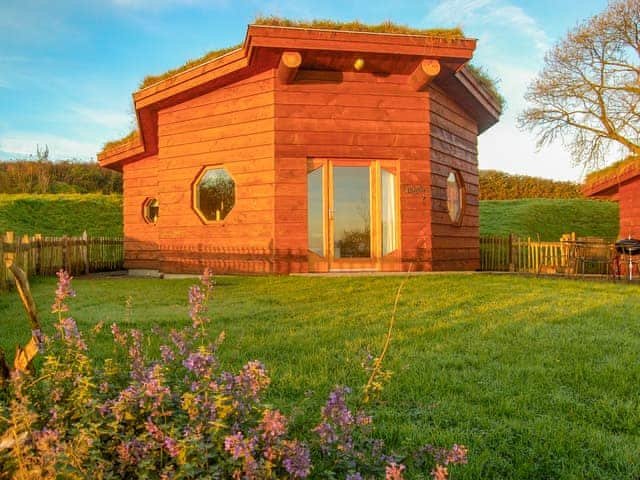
(540,378)
(61,214)
(549,218)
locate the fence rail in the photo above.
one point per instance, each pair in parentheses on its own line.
(39,255)
(514,254)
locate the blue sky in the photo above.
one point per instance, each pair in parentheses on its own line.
(68,67)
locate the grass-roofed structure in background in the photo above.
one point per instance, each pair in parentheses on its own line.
(612,170)
(619,182)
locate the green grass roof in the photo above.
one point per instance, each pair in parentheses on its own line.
(613,169)
(354,26)
(488,82)
(151,79)
(121,141)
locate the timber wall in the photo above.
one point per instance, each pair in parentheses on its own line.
(453,145)
(629,202)
(230,127)
(140,182)
(263,133)
(362,116)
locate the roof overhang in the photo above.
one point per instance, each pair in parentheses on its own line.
(319,49)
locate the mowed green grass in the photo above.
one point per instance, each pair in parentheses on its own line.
(540,378)
(549,218)
(61,214)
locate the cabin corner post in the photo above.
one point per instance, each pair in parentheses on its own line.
(425,72)
(288,66)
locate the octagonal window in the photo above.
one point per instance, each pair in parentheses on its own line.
(150,210)
(214,194)
(455,197)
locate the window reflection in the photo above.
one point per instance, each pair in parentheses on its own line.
(215,194)
(150,210)
(388,210)
(315,222)
(352,216)
(454,197)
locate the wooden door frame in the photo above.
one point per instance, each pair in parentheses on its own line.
(373,263)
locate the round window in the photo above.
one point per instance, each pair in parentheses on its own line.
(455,197)
(214,194)
(150,210)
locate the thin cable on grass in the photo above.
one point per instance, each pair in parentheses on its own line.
(377,364)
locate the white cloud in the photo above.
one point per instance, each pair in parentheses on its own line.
(26,143)
(490,14)
(456,11)
(503,147)
(113,120)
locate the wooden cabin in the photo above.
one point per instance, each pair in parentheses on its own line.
(619,183)
(309,150)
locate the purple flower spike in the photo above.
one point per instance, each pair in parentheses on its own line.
(63,291)
(296,460)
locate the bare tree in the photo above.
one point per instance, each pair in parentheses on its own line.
(588,93)
(42,155)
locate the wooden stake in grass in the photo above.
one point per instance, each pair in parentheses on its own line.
(24,355)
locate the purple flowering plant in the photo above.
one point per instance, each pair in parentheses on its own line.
(179,414)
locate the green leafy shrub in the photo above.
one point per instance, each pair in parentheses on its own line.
(64,176)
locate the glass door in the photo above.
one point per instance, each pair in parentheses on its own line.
(352,214)
(350,217)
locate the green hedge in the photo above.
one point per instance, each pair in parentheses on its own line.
(496,185)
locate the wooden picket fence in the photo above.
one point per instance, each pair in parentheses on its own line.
(515,254)
(44,256)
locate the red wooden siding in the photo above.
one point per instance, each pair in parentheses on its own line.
(453,145)
(363,116)
(629,202)
(140,181)
(231,127)
(263,133)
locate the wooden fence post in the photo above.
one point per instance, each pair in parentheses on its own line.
(36,245)
(85,251)
(510,249)
(9,247)
(25,250)
(65,254)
